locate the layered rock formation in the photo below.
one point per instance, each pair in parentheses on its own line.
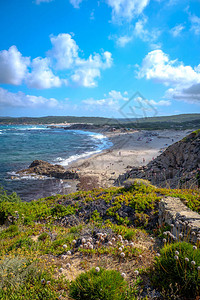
(177,166)
(40,167)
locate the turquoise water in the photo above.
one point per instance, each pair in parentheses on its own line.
(20,145)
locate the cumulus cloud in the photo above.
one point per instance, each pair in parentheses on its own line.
(176,31)
(157,66)
(13,66)
(42,76)
(191,94)
(75,3)
(87,70)
(122,41)
(64,51)
(126,9)
(184,80)
(22,100)
(63,59)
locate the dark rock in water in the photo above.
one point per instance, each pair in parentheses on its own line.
(40,167)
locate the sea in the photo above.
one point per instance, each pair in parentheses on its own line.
(22,144)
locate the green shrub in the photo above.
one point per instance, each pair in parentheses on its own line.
(173,269)
(43,236)
(102,285)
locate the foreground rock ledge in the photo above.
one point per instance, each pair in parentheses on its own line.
(40,167)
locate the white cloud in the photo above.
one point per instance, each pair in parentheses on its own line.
(184,81)
(42,76)
(160,103)
(190,94)
(157,66)
(40,1)
(75,3)
(122,41)
(64,51)
(195,24)
(88,70)
(145,35)
(22,100)
(63,59)
(110,101)
(126,9)
(176,31)
(140,31)
(85,77)
(13,66)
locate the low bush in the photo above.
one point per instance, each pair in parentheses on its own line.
(178,266)
(100,284)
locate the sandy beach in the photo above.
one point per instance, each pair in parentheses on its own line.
(135,148)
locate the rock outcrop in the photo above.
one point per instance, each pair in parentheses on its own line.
(40,167)
(177,166)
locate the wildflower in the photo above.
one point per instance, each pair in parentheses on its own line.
(110,243)
(193,262)
(122,254)
(83,241)
(74,242)
(151,238)
(64,256)
(48,282)
(81,246)
(198,268)
(132,245)
(172,225)
(140,256)
(158,254)
(176,257)
(68,265)
(61,270)
(113,239)
(194,248)
(120,248)
(136,272)
(43,281)
(97,269)
(193,233)
(64,246)
(164,240)
(180,235)
(176,252)
(187,259)
(165,233)
(90,246)
(69,253)
(123,275)
(126,241)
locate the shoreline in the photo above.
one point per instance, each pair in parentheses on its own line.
(129,149)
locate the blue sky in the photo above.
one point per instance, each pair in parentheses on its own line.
(90,58)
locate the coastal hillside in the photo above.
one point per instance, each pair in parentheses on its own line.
(179,122)
(177,166)
(104,244)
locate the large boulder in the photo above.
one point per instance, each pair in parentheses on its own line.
(41,167)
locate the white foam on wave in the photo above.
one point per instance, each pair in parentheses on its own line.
(16,176)
(66,162)
(98,136)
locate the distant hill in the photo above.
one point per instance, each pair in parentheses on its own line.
(178,166)
(183,121)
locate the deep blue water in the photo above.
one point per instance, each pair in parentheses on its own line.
(20,145)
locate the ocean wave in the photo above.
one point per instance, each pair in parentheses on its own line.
(98,136)
(66,162)
(16,176)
